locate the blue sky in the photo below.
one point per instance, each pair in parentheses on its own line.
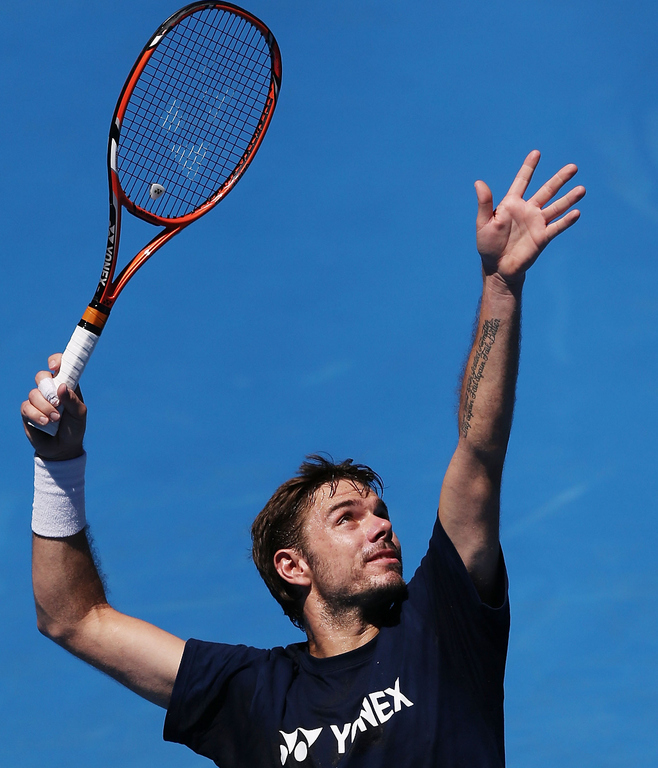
(327,304)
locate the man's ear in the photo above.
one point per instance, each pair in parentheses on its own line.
(292,567)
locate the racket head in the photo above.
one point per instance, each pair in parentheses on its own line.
(193,112)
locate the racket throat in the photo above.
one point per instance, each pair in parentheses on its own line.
(108,265)
(111,251)
(94,317)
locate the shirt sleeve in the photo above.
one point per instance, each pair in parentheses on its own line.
(471,633)
(212,695)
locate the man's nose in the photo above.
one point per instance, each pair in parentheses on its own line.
(380,528)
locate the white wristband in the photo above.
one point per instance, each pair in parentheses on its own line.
(59,497)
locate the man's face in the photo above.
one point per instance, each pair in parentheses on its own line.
(349,543)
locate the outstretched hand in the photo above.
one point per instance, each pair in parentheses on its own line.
(67,443)
(511,237)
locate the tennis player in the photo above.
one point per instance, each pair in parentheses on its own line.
(391,674)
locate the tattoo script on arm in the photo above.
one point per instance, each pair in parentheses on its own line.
(482,350)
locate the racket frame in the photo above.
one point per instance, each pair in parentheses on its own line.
(109,288)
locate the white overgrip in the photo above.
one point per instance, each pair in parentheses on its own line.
(75,358)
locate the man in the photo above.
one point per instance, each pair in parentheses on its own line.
(391,674)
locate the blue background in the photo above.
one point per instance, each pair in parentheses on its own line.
(327,304)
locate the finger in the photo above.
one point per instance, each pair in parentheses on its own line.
(48,389)
(554,185)
(42,375)
(485,204)
(554,229)
(30,412)
(54,362)
(42,405)
(563,204)
(46,385)
(524,176)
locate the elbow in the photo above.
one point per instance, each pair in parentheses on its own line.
(66,631)
(45,623)
(486,459)
(54,630)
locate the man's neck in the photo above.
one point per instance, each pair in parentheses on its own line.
(332,634)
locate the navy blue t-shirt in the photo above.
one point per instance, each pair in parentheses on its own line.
(427,692)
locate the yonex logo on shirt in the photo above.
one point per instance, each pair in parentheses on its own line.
(376,709)
(296,746)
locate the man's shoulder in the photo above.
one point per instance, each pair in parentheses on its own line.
(442,585)
(241,652)
(209,669)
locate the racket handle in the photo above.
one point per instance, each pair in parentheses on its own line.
(75,358)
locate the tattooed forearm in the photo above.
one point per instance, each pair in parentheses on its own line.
(480,357)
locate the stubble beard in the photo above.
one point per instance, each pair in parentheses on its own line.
(370,601)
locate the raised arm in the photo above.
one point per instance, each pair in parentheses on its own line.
(509,240)
(70,599)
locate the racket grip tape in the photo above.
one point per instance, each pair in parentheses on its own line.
(74,359)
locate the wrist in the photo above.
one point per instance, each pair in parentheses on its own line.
(59,497)
(64,456)
(496,285)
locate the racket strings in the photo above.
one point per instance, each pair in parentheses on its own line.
(194,112)
(185,90)
(189,158)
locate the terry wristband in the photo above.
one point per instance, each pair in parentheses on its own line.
(59,497)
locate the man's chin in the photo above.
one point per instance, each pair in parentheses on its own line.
(387,591)
(373,600)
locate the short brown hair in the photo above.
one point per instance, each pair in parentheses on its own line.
(280,523)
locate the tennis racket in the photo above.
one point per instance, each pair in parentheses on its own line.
(190,118)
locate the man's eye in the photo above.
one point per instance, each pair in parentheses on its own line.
(343,519)
(383,513)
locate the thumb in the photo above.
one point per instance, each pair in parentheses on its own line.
(72,401)
(485,204)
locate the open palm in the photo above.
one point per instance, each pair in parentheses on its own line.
(511,237)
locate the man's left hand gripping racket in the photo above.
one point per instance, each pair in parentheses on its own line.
(189,120)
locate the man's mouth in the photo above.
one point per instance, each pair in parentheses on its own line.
(388,554)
